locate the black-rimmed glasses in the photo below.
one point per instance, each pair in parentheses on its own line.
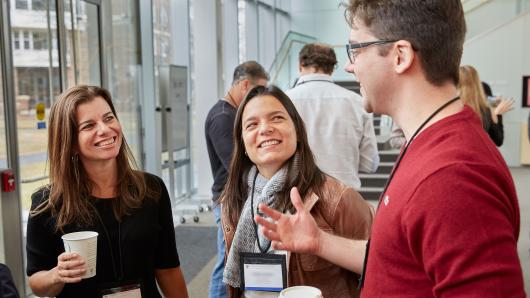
(352,47)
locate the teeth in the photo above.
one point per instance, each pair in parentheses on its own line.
(105,143)
(269,143)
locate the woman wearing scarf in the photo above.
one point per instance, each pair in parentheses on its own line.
(271,156)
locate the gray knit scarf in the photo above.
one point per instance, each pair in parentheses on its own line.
(244,238)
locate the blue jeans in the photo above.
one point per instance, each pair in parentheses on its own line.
(217,287)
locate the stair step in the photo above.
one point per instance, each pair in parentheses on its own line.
(373,180)
(388,155)
(385,167)
(381,146)
(371,193)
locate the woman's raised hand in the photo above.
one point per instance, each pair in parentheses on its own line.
(293,232)
(70,268)
(504,105)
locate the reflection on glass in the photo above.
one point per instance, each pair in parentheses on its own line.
(125,79)
(36,78)
(87,48)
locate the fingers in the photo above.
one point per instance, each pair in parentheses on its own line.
(274,214)
(70,268)
(277,245)
(271,235)
(265,223)
(296,200)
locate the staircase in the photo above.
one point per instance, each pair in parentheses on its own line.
(372,184)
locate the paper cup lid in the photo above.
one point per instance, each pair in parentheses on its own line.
(301,291)
(76,236)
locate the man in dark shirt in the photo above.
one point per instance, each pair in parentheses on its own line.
(218,128)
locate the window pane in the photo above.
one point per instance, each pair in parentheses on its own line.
(16,40)
(26,40)
(87,47)
(40,40)
(21,4)
(38,5)
(125,79)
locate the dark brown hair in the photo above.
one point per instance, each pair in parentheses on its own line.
(320,56)
(435,28)
(309,177)
(250,70)
(70,188)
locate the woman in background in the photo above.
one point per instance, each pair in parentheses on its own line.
(472,94)
(94,186)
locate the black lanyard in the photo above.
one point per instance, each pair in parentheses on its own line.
(114,266)
(253,220)
(396,166)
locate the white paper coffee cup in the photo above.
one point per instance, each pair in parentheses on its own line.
(85,244)
(301,292)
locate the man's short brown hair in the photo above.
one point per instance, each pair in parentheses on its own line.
(250,70)
(435,28)
(320,56)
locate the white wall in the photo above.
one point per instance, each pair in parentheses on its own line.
(501,58)
(325,21)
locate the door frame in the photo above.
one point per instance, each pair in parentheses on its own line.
(11,208)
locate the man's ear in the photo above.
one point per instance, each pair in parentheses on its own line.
(405,56)
(245,85)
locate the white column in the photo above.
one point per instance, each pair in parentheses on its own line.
(205,86)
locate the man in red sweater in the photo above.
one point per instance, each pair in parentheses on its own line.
(448,221)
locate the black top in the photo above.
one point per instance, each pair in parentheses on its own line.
(7,286)
(495,130)
(219,138)
(147,243)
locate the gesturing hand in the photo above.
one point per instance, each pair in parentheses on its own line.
(505,105)
(297,233)
(70,268)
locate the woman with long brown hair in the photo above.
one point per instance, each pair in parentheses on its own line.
(271,156)
(94,186)
(472,94)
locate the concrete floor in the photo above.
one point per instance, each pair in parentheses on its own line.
(198,286)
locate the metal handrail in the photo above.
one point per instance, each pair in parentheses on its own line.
(33,179)
(285,41)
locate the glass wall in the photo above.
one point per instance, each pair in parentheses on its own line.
(3,157)
(263,24)
(36,77)
(124,68)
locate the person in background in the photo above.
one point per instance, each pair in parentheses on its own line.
(340,132)
(7,286)
(472,93)
(397,138)
(271,156)
(448,220)
(218,128)
(94,186)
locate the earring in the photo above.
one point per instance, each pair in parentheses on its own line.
(75,164)
(246,153)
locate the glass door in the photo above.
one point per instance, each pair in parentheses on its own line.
(3,156)
(83,37)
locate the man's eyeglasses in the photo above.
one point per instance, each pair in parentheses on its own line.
(352,48)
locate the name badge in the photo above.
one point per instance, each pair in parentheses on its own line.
(126,291)
(263,272)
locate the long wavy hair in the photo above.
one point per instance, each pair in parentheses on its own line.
(69,188)
(308,177)
(471,90)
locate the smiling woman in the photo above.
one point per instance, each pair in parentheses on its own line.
(94,186)
(271,156)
